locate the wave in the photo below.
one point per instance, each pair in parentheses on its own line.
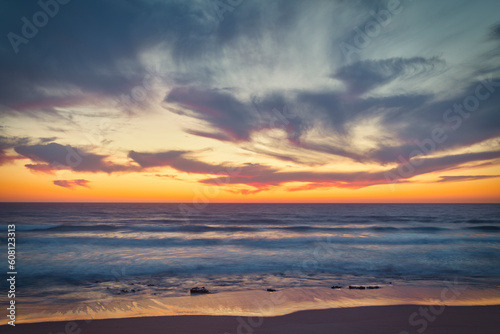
(20,227)
(485,228)
(483,221)
(83,228)
(201,228)
(135,228)
(253,243)
(289,267)
(192,228)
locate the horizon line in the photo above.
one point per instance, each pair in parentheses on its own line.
(131,202)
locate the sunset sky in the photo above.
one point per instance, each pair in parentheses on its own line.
(250,101)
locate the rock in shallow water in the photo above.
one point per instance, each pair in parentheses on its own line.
(361,287)
(358,287)
(197,290)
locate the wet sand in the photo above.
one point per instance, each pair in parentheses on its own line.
(389,309)
(401,319)
(249,303)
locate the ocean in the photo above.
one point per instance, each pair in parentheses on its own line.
(69,252)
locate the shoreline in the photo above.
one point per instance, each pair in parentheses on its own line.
(255,303)
(399,319)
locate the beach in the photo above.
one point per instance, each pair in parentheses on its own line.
(373,320)
(303,268)
(255,305)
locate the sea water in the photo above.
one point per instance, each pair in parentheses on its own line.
(68,252)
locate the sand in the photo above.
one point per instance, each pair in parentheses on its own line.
(400,319)
(388,310)
(251,302)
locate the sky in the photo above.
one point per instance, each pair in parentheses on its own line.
(250,101)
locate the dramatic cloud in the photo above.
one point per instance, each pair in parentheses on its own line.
(263,177)
(260,177)
(236,120)
(184,161)
(362,76)
(409,120)
(72,184)
(90,49)
(53,156)
(221,110)
(354,179)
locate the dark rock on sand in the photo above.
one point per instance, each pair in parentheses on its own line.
(199,290)
(361,287)
(271,290)
(336,287)
(358,287)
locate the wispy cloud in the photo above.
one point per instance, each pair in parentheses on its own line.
(71,184)
(458,178)
(363,76)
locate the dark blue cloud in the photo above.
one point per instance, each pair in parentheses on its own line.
(410,119)
(495,32)
(92,48)
(52,157)
(363,76)
(218,108)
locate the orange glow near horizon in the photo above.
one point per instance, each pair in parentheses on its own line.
(21,185)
